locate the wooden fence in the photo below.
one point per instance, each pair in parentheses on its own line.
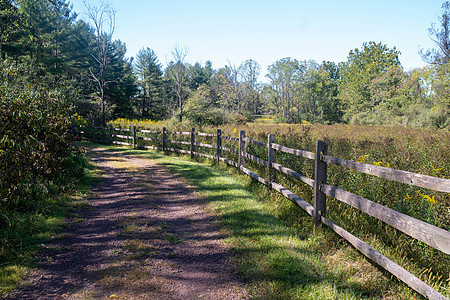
(431,235)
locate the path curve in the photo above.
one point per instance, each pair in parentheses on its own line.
(145,236)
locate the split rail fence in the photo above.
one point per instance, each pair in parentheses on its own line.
(429,234)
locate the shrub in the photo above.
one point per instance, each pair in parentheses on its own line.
(35,141)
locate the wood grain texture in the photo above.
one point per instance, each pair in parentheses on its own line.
(301,153)
(431,235)
(294,198)
(254,142)
(387,264)
(425,181)
(294,174)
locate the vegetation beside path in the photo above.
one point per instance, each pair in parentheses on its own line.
(275,260)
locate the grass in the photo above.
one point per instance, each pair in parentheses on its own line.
(273,258)
(22,241)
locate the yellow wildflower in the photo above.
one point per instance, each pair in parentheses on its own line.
(363,159)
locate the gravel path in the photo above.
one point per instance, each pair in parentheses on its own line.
(144,236)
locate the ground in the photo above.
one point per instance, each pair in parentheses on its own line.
(144,235)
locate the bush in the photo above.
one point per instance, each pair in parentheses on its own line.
(36,155)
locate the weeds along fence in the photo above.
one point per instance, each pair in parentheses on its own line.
(225,149)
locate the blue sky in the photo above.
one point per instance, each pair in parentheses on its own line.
(270,30)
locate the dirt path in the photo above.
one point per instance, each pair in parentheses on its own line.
(145,236)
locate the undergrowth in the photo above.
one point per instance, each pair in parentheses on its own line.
(26,231)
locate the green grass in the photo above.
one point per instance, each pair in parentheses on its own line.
(273,258)
(22,241)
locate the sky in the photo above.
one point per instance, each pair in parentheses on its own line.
(232,31)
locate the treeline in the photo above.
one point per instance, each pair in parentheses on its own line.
(79,57)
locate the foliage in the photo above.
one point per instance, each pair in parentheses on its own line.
(38,163)
(363,66)
(35,139)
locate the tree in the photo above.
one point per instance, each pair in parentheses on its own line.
(149,75)
(363,66)
(9,21)
(177,72)
(440,59)
(199,75)
(102,19)
(250,71)
(122,88)
(234,77)
(282,76)
(440,36)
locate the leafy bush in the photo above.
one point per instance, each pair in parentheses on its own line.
(36,155)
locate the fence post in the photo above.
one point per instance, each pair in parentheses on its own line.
(192,142)
(134,137)
(241,159)
(164,138)
(271,154)
(219,145)
(320,178)
(110,134)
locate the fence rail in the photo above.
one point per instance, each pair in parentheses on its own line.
(431,235)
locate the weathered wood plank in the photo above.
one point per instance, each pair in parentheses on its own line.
(151,147)
(294,198)
(122,143)
(121,136)
(431,235)
(219,144)
(178,150)
(254,142)
(387,264)
(122,129)
(241,158)
(205,134)
(294,174)
(254,176)
(256,159)
(148,131)
(205,145)
(204,155)
(301,153)
(230,150)
(151,139)
(429,182)
(230,162)
(164,138)
(271,158)
(320,178)
(179,132)
(192,142)
(230,138)
(178,142)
